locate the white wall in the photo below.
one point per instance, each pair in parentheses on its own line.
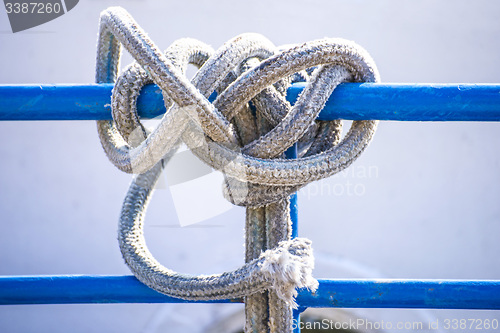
(429,208)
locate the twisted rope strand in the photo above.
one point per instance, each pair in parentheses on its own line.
(256,276)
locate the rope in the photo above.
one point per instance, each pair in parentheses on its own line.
(243,134)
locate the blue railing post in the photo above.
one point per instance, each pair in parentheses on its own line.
(291,153)
(296,319)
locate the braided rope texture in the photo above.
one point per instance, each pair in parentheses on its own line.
(244,134)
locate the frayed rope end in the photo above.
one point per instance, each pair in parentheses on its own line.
(289,266)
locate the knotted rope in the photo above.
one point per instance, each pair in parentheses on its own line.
(243,133)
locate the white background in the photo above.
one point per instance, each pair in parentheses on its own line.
(430,211)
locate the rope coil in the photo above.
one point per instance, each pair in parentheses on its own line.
(243,134)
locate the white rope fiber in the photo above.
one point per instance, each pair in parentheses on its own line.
(243,134)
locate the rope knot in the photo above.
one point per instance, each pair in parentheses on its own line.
(243,133)
(249,126)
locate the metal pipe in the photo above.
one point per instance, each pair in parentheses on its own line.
(351,101)
(291,153)
(430,294)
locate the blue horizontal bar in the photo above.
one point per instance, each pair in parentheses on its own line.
(435,294)
(81,289)
(421,294)
(354,101)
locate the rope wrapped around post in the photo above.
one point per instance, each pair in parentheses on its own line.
(243,134)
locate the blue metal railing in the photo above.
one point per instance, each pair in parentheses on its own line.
(352,293)
(353,101)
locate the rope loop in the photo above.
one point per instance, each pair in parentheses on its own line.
(243,133)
